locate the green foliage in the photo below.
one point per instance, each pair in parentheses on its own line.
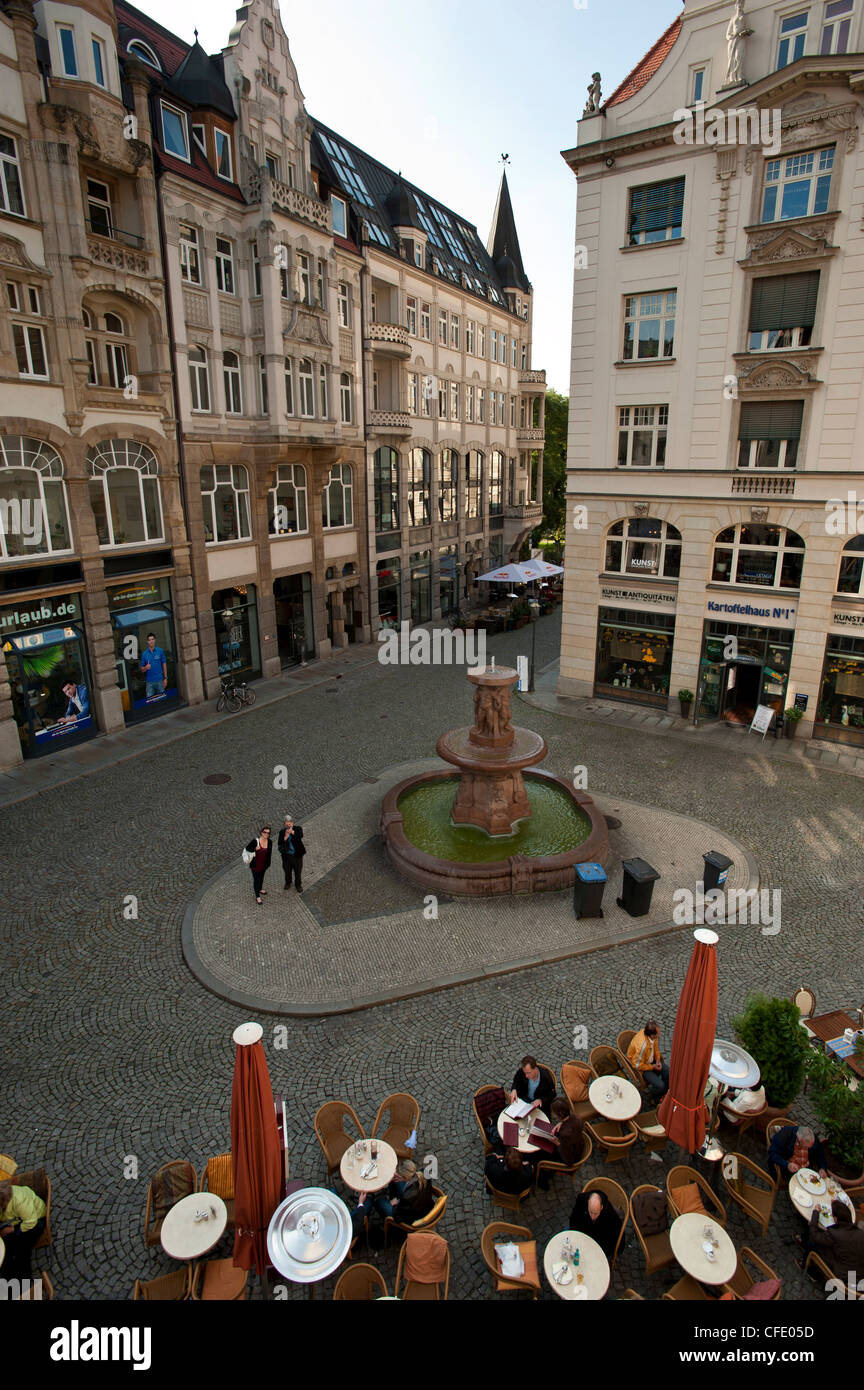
(840,1110)
(793,714)
(41,666)
(771,1032)
(685,696)
(554,523)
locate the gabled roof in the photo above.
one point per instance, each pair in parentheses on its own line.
(646,68)
(503,244)
(400,205)
(200,82)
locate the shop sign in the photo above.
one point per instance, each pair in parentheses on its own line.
(774,614)
(619,594)
(847,620)
(36,614)
(134,595)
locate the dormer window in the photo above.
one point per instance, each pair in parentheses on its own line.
(174,135)
(224,165)
(199,135)
(136,49)
(419,257)
(340,215)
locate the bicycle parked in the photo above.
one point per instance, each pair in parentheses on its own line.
(234,696)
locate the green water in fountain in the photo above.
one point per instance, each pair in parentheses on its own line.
(557,824)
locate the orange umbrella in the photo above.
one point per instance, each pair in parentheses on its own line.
(256,1151)
(682,1112)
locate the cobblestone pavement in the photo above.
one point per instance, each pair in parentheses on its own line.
(114,1049)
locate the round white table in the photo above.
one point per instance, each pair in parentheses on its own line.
(805,1199)
(593,1267)
(2,1251)
(614,1098)
(358,1156)
(184,1238)
(524,1145)
(687,1240)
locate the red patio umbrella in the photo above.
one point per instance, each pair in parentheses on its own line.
(256,1151)
(682,1112)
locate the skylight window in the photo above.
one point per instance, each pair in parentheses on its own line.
(343,163)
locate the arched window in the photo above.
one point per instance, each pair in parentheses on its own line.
(34,519)
(233,386)
(643,545)
(386,478)
(345,394)
(199,378)
(337,499)
(225,498)
(124,493)
(288,511)
(448,485)
(496,483)
(109,347)
(768,557)
(116,351)
(474,482)
(141,50)
(307,389)
(851,577)
(419,481)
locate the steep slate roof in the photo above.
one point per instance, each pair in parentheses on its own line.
(133,24)
(199,81)
(503,244)
(646,68)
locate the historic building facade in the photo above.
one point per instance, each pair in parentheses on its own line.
(716,405)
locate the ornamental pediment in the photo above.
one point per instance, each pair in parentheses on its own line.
(809,238)
(787,374)
(308,328)
(14,252)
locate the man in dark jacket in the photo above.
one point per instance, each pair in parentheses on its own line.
(595,1216)
(292,849)
(511,1173)
(794,1147)
(841,1246)
(533,1083)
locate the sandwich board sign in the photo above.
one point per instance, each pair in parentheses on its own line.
(762,720)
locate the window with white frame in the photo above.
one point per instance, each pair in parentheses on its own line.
(502,406)
(514,348)
(792,38)
(426,322)
(797,185)
(337,499)
(454,400)
(698,78)
(190,261)
(307,389)
(284,282)
(11,191)
(442,400)
(124,493)
(233,384)
(340,215)
(656,212)
(448,485)
(289,513)
(413,394)
(481,405)
(100,219)
(343,300)
(649,325)
(454,331)
(481,340)
(289,386)
(346,393)
(494,345)
(90,350)
(199,138)
(442,327)
(836,24)
(304,278)
(782,311)
(256,269)
(850,580)
(758,556)
(324,392)
(419,255)
(273,165)
(469,404)
(512,412)
(224,265)
(375,390)
(31,475)
(199,379)
(419,484)
(473,483)
(263,387)
(769,433)
(426,394)
(469,336)
(144,52)
(411,315)
(29,340)
(642,436)
(224,160)
(643,545)
(117,344)
(99,68)
(175,136)
(225,502)
(68,51)
(524,357)
(319,285)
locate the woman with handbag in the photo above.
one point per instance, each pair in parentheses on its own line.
(257,855)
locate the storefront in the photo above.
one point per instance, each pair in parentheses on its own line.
(295,629)
(235,616)
(634,648)
(145,648)
(46,656)
(840,712)
(389,576)
(448,579)
(421,586)
(744,664)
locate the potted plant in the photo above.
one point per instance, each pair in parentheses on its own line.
(770,1030)
(841,1113)
(685,700)
(793,717)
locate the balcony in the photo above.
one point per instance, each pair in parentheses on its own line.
(529,512)
(284,198)
(760,485)
(119,249)
(532,378)
(390,421)
(388,339)
(531,436)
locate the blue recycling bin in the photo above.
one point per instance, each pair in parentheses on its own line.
(588,887)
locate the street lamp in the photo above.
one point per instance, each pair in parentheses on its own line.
(534,611)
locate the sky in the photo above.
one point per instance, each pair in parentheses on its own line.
(441,91)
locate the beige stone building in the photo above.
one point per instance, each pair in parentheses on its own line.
(716,393)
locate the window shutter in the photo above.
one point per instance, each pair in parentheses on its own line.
(784,301)
(771,420)
(656,206)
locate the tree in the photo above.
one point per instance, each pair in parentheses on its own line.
(554,523)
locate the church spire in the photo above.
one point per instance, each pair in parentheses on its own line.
(503,244)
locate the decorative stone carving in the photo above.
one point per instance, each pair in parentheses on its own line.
(737,33)
(595,97)
(14,252)
(813,239)
(641,508)
(759,514)
(772,375)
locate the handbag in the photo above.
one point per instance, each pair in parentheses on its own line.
(248,856)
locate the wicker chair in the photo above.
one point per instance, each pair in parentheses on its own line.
(423,1223)
(772,1128)
(657,1249)
(489,1101)
(740,1122)
(403,1113)
(619,1200)
(330,1129)
(220,1282)
(530,1280)
(508,1200)
(168,1185)
(630,1295)
(413,1289)
(40,1183)
(576,1077)
(167,1288)
(650,1130)
(835,1280)
(756,1201)
(744,1278)
(8,1166)
(41,1289)
(608,1061)
(219,1179)
(614,1137)
(805,1001)
(688,1290)
(680,1175)
(550,1166)
(624,1040)
(360,1284)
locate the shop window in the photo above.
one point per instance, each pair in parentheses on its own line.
(46,661)
(337,499)
(225,499)
(642,433)
(289,514)
(235,616)
(386,481)
(759,556)
(841,696)
(797,185)
(851,577)
(448,485)
(388,574)
(644,546)
(649,325)
(124,493)
(782,311)
(421,586)
(448,579)
(634,655)
(419,485)
(769,433)
(34,519)
(141,616)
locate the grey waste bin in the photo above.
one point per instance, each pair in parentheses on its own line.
(638,886)
(717,866)
(590,881)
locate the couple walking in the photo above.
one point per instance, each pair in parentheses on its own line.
(259,852)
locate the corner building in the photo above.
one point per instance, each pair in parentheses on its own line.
(716,389)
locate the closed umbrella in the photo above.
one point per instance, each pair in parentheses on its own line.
(682,1112)
(255,1150)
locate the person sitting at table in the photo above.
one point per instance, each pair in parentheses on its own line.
(841,1246)
(411,1196)
(794,1147)
(568,1137)
(511,1173)
(22,1221)
(736,1104)
(594,1215)
(533,1083)
(644,1056)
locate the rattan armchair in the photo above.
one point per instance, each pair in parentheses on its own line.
(833,1281)
(8,1166)
(608,1061)
(169,1185)
(688,1290)
(497,1231)
(423,1223)
(681,1175)
(613,1137)
(39,1182)
(657,1249)
(413,1288)
(219,1179)
(166,1288)
(757,1202)
(744,1277)
(576,1077)
(650,1130)
(619,1200)
(508,1200)
(219,1281)
(330,1130)
(489,1101)
(551,1166)
(403,1113)
(360,1284)
(630,1295)
(805,1002)
(624,1039)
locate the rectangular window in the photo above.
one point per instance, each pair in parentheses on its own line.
(12,295)
(656,212)
(494,345)
(481,406)
(502,405)
(419,255)
(92,369)
(768,434)
(375,391)
(11,195)
(224,162)
(304,277)
(343,300)
(190,264)
(411,315)
(345,392)
(835,28)
(469,337)
(793,36)
(307,390)
(642,436)
(320,291)
(481,340)
(324,392)
(273,165)
(233,391)
(339,209)
(454,331)
(454,400)
(514,349)
(782,311)
(289,386)
(289,176)
(256,270)
(99,208)
(34,299)
(797,185)
(524,357)
(649,325)
(68,56)
(99,62)
(263,388)
(199,136)
(117,365)
(284,284)
(426,322)
(199,379)
(30,350)
(442,326)
(504,349)
(413,394)
(442,400)
(697,86)
(224,265)
(469,404)
(512,412)
(174,136)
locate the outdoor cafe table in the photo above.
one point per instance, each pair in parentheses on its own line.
(184,1238)
(524,1145)
(687,1239)
(804,1200)
(623,1105)
(593,1266)
(829,1028)
(2,1251)
(358,1156)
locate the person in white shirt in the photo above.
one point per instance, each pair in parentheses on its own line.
(741,1103)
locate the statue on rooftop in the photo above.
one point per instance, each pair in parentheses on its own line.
(737,33)
(592,105)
